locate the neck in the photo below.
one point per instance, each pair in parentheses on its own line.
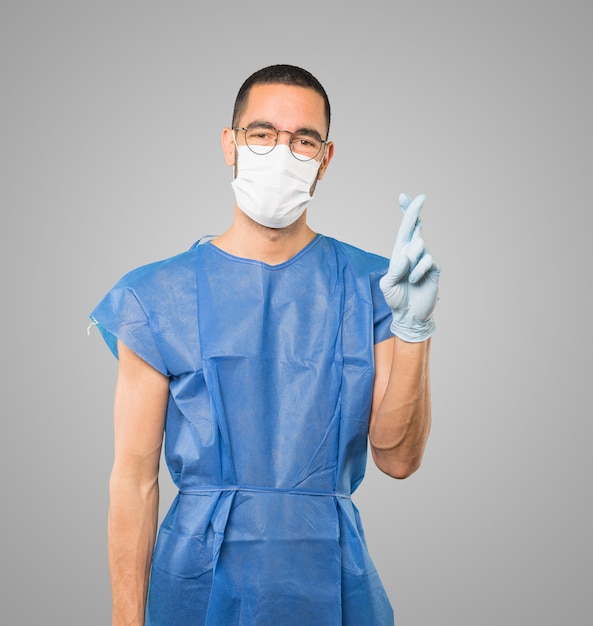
(249,240)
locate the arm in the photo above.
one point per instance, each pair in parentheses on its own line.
(400,417)
(139,414)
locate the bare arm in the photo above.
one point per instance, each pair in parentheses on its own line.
(400,418)
(139,413)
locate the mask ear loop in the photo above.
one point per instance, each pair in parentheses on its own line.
(236,154)
(323,154)
(314,185)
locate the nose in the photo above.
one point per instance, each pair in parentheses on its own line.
(288,134)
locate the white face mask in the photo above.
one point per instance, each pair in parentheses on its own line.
(273,189)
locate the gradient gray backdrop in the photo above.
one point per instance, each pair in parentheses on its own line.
(111,115)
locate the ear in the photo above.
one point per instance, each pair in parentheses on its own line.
(228,146)
(327,157)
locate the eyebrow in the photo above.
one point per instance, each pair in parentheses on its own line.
(310,132)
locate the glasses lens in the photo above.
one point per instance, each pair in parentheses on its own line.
(305,146)
(261,139)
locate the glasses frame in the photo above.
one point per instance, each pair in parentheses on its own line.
(298,158)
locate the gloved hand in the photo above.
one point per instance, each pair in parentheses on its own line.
(411,283)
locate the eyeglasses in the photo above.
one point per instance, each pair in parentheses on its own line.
(260,138)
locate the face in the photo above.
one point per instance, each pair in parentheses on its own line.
(285,107)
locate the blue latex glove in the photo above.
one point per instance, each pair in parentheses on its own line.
(411,284)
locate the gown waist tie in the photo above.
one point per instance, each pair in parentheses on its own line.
(195,491)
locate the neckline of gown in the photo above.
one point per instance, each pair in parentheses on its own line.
(262,264)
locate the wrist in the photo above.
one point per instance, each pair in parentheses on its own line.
(420,331)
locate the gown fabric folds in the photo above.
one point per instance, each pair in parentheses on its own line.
(271,372)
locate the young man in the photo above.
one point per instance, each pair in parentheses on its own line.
(268,357)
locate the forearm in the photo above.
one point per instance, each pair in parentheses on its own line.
(400,425)
(132,527)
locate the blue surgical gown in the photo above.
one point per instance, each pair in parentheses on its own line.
(271,374)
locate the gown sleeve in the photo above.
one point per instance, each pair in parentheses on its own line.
(368,269)
(121,315)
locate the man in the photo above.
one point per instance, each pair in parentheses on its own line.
(267,356)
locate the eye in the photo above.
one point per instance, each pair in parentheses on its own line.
(306,141)
(261,135)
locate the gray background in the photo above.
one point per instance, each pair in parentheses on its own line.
(110,140)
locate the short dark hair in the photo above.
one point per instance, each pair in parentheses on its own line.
(283,75)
